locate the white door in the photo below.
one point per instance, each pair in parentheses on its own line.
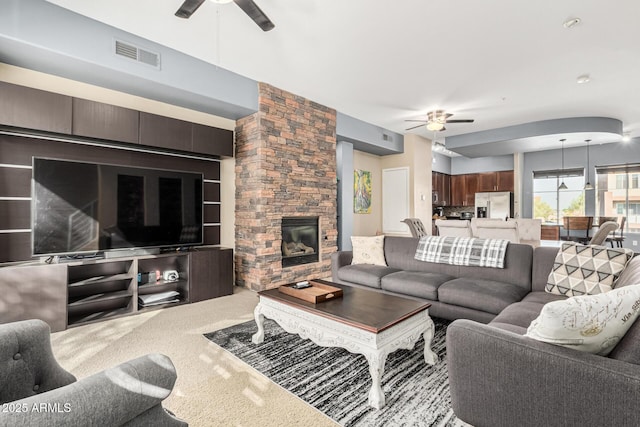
(395,199)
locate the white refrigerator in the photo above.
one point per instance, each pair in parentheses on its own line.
(494,205)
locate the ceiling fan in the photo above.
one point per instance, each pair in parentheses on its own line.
(436,120)
(248,6)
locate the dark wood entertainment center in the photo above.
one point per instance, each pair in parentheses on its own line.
(36,123)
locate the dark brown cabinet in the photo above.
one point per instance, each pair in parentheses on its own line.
(505,181)
(164,132)
(458,190)
(470,188)
(441,185)
(29,108)
(210,140)
(105,121)
(495,181)
(211,273)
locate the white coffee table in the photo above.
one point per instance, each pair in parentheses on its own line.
(362,321)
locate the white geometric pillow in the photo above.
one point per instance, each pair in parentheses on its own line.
(368,250)
(586,269)
(591,323)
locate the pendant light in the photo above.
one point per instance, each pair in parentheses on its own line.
(588,185)
(562,186)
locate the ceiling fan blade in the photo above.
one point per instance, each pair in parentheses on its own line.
(255,13)
(422,121)
(460,121)
(188,7)
(415,127)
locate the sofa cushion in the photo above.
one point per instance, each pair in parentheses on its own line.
(509,327)
(364,274)
(590,323)
(519,314)
(586,269)
(542,297)
(368,250)
(415,283)
(628,349)
(484,295)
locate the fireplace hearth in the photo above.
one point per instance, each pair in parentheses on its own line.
(299,240)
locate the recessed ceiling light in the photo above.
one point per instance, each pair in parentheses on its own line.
(583,79)
(626,137)
(571,22)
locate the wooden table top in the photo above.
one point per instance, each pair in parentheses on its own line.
(361,308)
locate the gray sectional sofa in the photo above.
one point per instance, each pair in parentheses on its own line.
(455,292)
(497,376)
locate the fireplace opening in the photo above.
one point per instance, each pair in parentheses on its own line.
(299,240)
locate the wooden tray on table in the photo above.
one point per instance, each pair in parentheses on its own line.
(318,292)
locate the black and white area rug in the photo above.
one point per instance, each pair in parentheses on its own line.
(337,382)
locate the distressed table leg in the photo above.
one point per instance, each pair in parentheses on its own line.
(429,356)
(376,368)
(258,337)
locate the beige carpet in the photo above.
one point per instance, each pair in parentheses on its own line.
(213,387)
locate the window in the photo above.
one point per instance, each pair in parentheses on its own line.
(618,193)
(551,204)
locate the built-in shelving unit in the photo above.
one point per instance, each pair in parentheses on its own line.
(160,264)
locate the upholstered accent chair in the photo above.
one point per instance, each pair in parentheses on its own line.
(415,226)
(529,231)
(129,394)
(453,228)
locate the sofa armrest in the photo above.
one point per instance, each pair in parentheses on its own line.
(499,378)
(112,397)
(340,259)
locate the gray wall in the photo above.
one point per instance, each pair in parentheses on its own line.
(461,165)
(344,160)
(441,164)
(367,137)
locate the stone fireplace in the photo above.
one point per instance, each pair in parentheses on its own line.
(285,169)
(299,240)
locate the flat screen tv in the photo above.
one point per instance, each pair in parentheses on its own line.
(79,208)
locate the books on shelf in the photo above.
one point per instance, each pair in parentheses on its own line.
(158,298)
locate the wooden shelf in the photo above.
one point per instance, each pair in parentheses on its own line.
(101,279)
(100,297)
(77,320)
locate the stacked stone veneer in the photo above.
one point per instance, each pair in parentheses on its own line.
(285,167)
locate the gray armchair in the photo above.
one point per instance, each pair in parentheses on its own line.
(36,391)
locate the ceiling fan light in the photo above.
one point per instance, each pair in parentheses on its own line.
(435,126)
(222,1)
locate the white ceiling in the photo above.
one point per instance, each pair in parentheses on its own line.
(500,62)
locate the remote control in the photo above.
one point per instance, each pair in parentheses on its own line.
(302,285)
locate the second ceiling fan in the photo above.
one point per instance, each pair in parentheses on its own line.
(436,120)
(248,6)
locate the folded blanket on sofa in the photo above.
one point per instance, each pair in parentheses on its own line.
(466,251)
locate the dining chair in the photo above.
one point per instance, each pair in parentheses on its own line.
(415,226)
(507,230)
(618,235)
(580,224)
(602,234)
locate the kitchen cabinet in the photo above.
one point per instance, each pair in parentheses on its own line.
(505,181)
(470,188)
(464,189)
(441,185)
(458,190)
(495,181)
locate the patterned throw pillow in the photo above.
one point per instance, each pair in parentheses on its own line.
(368,250)
(591,323)
(586,270)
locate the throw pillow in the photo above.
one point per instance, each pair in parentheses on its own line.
(586,269)
(368,250)
(631,273)
(591,323)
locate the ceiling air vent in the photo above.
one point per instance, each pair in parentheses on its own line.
(135,53)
